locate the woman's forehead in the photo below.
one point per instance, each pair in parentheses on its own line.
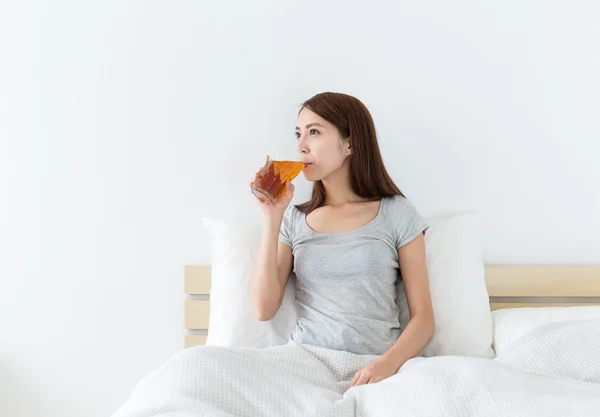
(307,117)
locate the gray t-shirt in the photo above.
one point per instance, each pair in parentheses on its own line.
(346,282)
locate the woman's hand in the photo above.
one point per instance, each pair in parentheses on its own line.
(375,372)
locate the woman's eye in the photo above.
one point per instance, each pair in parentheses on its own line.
(297,135)
(313,131)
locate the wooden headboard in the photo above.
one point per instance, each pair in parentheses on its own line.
(197,305)
(508,287)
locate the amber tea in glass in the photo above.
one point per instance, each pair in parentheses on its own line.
(274,177)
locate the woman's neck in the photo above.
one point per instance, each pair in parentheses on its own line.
(338,189)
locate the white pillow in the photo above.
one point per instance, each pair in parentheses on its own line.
(460,298)
(463,323)
(510,324)
(231,321)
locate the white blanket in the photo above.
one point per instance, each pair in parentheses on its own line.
(551,371)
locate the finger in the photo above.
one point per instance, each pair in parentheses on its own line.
(356,377)
(287,192)
(360,378)
(264,200)
(373,380)
(364,377)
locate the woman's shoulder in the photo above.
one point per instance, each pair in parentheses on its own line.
(292,212)
(404,219)
(399,202)
(402,210)
(289,225)
(292,216)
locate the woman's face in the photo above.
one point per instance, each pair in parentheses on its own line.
(320,146)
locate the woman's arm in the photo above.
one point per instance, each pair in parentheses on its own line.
(271,272)
(419,330)
(274,259)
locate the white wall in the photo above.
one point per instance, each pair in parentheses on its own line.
(123,123)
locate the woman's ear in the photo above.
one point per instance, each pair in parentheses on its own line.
(348,147)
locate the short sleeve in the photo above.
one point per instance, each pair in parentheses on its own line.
(408,222)
(286,232)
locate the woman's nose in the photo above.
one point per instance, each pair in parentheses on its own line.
(302,148)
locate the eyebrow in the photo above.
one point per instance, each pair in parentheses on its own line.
(311,125)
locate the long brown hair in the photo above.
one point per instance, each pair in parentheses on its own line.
(368,177)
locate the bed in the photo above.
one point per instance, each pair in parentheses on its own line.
(546,364)
(509,286)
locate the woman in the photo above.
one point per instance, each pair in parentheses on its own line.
(348,245)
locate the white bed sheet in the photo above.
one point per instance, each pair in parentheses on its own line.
(553,370)
(510,324)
